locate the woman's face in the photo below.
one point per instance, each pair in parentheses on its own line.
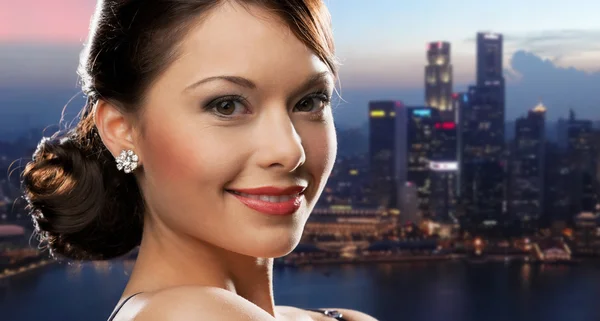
(245,106)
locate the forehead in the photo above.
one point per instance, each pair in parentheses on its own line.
(249,42)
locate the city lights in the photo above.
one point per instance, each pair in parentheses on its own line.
(443,166)
(377,113)
(422,112)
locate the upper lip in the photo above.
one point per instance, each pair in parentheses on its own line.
(271,190)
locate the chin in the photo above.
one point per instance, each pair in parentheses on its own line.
(274,245)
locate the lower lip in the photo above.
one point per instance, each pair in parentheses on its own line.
(270,208)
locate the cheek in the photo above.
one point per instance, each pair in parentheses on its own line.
(167,154)
(321,149)
(187,158)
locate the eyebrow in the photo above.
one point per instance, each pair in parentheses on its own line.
(316,79)
(245,82)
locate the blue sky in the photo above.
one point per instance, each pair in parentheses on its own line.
(388,38)
(380,42)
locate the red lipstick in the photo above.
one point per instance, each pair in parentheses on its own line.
(271,200)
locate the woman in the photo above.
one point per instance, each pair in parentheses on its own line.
(206,140)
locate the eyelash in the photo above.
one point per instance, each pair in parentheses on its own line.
(325,98)
(323,95)
(215,102)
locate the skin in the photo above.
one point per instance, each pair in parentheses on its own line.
(205,255)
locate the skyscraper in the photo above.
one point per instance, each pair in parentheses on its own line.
(382,156)
(481,140)
(460,101)
(489,59)
(527,163)
(438,79)
(414,131)
(409,199)
(443,172)
(582,165)
(557,197)
(444,143)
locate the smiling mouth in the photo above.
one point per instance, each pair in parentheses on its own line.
(267,198)
(271,200)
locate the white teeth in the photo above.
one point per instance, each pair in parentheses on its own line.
(268,198)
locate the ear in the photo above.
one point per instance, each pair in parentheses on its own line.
(115,128)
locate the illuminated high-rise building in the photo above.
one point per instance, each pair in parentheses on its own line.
(460,101)
(489,59)
(481,155)
(557,197)
(481,141)
(444,143)
(581,151)
(527,168)
(382,156)
(409,198)
(443,172)
(438,79)
(414,133)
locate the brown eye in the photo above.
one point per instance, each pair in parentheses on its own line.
(306,104)
(312,103)
(226,107)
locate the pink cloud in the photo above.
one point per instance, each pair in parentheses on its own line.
(45,21)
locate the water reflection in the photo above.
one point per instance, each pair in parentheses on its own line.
(102,267)
(385,269)
(306,268)
(449,291)
(74,271)
(526,275)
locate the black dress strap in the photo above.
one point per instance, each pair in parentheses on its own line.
(114,314)
(330,313)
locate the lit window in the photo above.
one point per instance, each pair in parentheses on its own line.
(377,113)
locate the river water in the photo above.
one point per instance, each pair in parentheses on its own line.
(418,291)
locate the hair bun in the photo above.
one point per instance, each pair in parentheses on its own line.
(81,205)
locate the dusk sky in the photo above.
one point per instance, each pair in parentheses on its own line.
(382,48)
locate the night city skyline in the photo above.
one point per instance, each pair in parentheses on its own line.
(414,143)
(43,60)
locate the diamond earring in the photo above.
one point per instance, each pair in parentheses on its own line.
(127,161)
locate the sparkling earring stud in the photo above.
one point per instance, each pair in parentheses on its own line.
(127,161)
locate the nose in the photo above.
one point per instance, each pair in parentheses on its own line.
(279,145)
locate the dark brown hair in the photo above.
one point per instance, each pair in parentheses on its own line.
(81,205)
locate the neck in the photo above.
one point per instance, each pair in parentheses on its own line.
(167,259)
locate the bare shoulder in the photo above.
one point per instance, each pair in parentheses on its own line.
(293,313)
(192,303)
